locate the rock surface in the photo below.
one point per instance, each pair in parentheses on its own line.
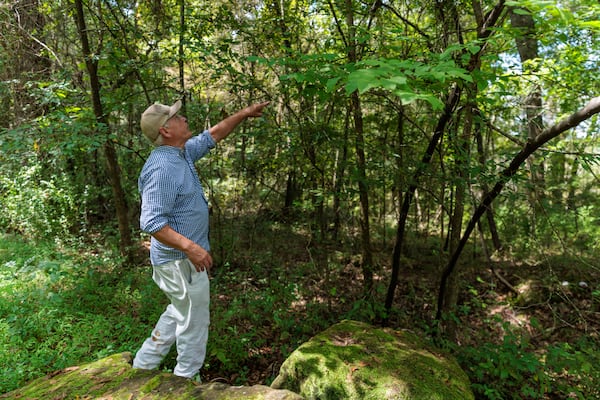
(113,378)
(353,360)
(350,360)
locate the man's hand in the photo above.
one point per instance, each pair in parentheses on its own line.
(221,130)
(256,110)
(201,258)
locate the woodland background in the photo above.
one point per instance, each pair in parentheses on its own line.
(430,165)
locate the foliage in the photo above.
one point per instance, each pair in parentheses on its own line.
(59,307)
(515,369)
(62,306)
(300,166)
(402,79)
(508,370)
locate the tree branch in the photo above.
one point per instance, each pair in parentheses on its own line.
(592,108)
(407,22)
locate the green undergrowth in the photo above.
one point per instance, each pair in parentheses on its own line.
(60,307)
(64,305)
(514,368)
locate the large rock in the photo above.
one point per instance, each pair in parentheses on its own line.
(353,360)
(113,378)
(350,360)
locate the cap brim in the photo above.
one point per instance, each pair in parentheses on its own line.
(174,108)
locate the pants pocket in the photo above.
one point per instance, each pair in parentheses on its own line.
(170,280)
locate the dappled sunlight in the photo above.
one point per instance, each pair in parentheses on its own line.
(507,314)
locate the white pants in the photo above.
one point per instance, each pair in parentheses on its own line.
(185,320)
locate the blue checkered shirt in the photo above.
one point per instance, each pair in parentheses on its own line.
(172,195)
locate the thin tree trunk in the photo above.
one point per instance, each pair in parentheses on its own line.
(399,179)
(592,108)
(460,144)
(451,103)
(290,193)
(181,55)
(572,185)
(485,188)
(527,46)
(485,28)
(293,191)
(363,189)
(340,171)
(112,164)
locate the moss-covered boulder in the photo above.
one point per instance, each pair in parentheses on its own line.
(353,360)
(113,378)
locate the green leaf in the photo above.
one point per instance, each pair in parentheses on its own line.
(331,83)
(591,24)
(521,11)
(473,48)
(399,80)
(388,84)
(361,80)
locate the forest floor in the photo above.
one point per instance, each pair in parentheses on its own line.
(537,302)
(524,324)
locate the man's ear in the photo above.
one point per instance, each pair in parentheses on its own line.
(164,132)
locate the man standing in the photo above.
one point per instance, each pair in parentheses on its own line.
(175,213)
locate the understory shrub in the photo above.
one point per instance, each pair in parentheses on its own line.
(60,308)
(513,369)
(38,207)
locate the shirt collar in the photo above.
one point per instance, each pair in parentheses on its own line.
(171,150)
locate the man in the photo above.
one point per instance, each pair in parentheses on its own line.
(175,213)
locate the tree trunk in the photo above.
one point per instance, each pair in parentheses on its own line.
(340,171)
(481,155)
(112,164)
(363,189)
(571,203)
(527,46)
(485,29)
(293,190)
(592,108)
(460,144)
(451,103)
(181,56)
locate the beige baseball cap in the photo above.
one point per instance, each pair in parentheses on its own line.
(156,116)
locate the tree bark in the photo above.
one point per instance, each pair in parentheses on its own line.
(340,171)
(460,144)
(481,156)
(527,46)
(112,164)
(363,189)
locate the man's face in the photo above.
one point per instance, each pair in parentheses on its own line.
(177,130)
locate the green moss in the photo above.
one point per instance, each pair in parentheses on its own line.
(353,360)
(151,385)
(113,378)
(84,381)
